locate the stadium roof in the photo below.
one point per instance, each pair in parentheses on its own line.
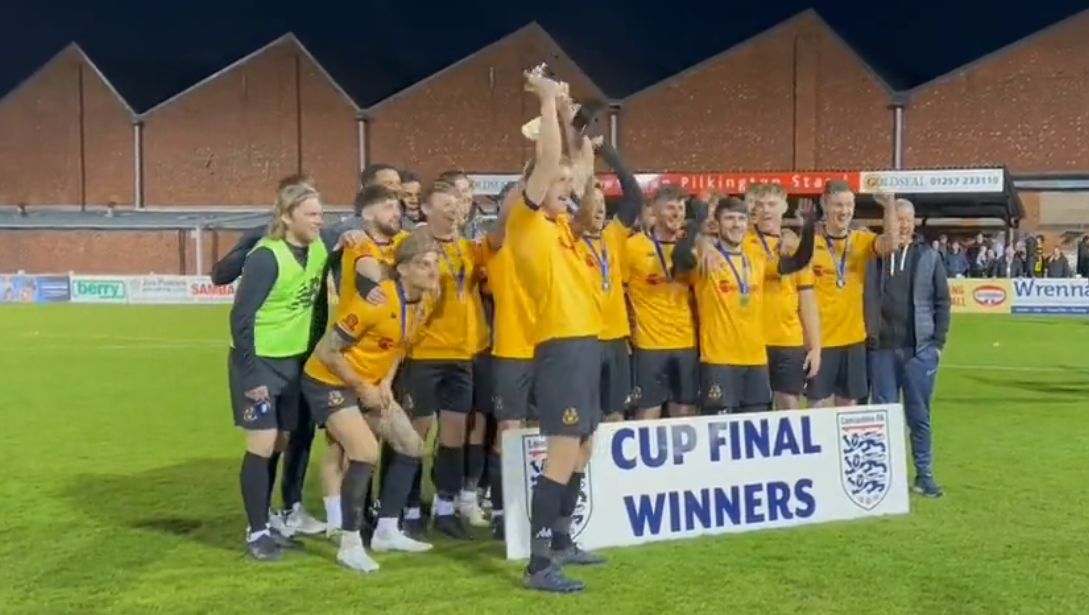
(371,64)
(71,218)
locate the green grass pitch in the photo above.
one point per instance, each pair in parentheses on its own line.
(119,494)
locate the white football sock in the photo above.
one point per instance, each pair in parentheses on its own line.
(444,508)
(387,525)
(332,511)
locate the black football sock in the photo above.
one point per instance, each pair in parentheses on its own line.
(413,499)
(353,494)
(396,484)
(253,477)
(489,445)
(474,466)
(296,460)
(561,532)
(545,509)
(273,464)
(449,468)
(495,482)
(383,468)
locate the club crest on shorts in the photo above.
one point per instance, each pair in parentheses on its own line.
(497,403)
(249,415)
(570,416)
(534,453)
(336,399)
(636,395)
(714,393)
(864,458)
(408,403)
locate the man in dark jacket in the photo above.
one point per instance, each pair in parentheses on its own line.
(909,317)
(1082,264)
(1032,250)
(1011,264)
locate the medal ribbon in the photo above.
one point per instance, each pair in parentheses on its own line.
(764,242)
(742,278)
(841,266)
(403,300)
(602,261)
(458,273)
(661,255)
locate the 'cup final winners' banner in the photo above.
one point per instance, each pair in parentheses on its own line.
(681,478)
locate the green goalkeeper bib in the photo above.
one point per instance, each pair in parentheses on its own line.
(282,327)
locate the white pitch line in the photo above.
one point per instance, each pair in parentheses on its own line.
(1009,368)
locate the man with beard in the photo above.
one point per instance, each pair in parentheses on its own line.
(664,337)
(367,264)
(379,210)
(348,383)
(791,317)
(733,354)
(841,256)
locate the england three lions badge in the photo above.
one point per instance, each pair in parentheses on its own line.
(864,457)
(534,454)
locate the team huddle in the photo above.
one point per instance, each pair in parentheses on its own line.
(559,315)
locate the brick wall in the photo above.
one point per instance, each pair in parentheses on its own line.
(794,97)
(65,138)
(1026,107)
(467,116)
(231,139)
(110,252)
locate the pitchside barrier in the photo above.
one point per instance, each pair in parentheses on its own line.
(1068,296)
(115,289)
(1053,296)
(667,479)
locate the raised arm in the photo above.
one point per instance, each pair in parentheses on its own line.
(684,253)
(889,239)
(549,150)
(631,199)
(579,148)
(228,268)
(792,263)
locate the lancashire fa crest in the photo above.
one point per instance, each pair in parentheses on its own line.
(864,458)
(535,452)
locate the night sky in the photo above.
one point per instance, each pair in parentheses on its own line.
(152,49)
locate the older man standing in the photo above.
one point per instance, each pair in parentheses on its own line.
(910,313)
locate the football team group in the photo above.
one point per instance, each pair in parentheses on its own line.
(558,315)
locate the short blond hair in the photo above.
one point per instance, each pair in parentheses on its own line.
(288,199)
(765,189)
